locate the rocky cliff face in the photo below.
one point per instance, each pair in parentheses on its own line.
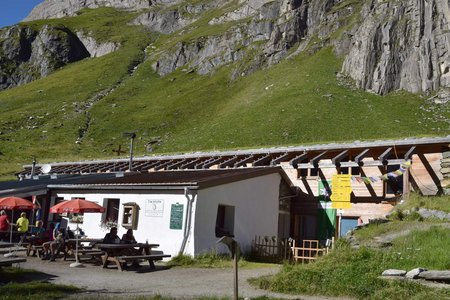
(27,55)
(386,45)
(401,45)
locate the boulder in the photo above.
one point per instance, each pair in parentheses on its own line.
(393,272)
(414,273)
(435,275)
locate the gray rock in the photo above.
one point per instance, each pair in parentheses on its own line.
(393,272)
(63,8)
(414,273)
(432,213)
(401,45)
(165,22)
(435,275)
(28,54)
(97,49)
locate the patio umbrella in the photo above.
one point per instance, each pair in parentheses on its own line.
(78,206)
(14,203)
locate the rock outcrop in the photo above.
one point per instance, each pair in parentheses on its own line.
(401,45)
(59,9)
(96,49)
(386,45)
(273,29)
(26,54)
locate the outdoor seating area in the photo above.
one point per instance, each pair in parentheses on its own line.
(120,254)
(57,243)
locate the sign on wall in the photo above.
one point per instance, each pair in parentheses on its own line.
(341,190)
(154,208)
(176,216)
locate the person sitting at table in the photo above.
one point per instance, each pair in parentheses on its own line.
(39,231)
(128,238)
(111,237)
(50,248)
(48,234)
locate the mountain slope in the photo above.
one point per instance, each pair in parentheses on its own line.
(258,90)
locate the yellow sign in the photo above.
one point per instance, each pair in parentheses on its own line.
(337,205)
(341,188)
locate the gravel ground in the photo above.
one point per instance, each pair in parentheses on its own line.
(180,283)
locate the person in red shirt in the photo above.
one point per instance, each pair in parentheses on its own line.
(4,225)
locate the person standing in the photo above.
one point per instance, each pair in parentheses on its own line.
(22,225)
(4,225)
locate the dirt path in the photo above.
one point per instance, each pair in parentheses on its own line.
(186,283)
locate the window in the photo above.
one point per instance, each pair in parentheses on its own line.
(112,210)
(130,215)
(225,221)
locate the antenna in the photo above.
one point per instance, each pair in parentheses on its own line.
(45,169)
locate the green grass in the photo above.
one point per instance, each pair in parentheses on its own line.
(355,272)
(415,201)
(279,106)
(14,286)
(213,260)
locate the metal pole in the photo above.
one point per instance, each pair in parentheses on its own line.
(235,267)
(131,153)
(33,167)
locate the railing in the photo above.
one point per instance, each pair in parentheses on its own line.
(271,249)
(308,252)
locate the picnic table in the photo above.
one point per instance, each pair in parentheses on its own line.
(121,253)
(70,247)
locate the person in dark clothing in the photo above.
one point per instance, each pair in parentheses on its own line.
(128,238)
(111,237)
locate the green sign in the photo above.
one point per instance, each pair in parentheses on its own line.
(176,216)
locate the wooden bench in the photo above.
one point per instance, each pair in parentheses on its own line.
(121,260)
(7,262)
(92,252)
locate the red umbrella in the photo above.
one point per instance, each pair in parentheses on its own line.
(15,203)
(79,206)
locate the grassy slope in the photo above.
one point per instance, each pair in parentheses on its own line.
(355,272)
(283,105)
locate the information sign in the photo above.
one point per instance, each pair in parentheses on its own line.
(176,216)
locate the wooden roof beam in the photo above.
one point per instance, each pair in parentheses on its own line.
(209,163)
(384,157)
(360,157)
(317,158)
(298,159)
(229,162)
(410,153)
(279,159)
(191,164)
(338,158)
(263,161)
(163,164)
(244,161)
(177,164)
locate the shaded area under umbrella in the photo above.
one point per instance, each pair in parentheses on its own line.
(77,206)
(14,203)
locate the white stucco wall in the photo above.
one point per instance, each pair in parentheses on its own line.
(152,226)
(256,211)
